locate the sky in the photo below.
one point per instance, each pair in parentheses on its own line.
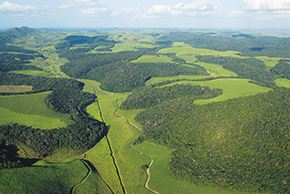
(206,14)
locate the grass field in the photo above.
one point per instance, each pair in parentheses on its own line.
(283,82)
(153,59)
(120,134)
(31,72)
(270,61)
(232,88)
(42,179)
(216,70)
(31,110)
(162,181)
(181,49)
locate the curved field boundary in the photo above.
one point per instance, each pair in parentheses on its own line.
(110,146)
(131,145)
(87,175)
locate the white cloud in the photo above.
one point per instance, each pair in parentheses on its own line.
(7,6)
(94,11)
(126,12)
(202,5)
(266,4)
(77,3)
(208,8)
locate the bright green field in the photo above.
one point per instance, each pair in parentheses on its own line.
(153,59)
(182,49)
(270,61)
(162,181)
(31,72)
(216,70)
(232,88)
(120,134)
(127,46)
(283,82)
(41,179)
(31,110)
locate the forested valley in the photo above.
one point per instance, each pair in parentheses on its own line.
(233,144)
(66,97)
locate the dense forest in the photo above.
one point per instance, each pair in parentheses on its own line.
(239,143)
(78,137)
(249,68)
(248,45)
(116,73)
(149,96)
(66,97)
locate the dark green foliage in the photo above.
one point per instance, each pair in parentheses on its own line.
(272,46)
(136,74)
(250,68)
(8,35)
(12,64)
(39,83)
(148,96)
(239,143)
(83,65)
(282,69)
(69,101)
(80,136)
(8,156)
(116,73)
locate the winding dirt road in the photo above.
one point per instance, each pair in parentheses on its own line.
(131,145)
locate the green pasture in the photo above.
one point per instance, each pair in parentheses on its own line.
(283,82)
(153,59)
(42,179)
(92,185)
(232,88)
(31,72)
(216,70)
(31,110)
(270,61)
(128,46)
(162,182)
(51,64)
(155,80)
(120,135)
(181,49)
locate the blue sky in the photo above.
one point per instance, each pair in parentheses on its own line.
(222,14)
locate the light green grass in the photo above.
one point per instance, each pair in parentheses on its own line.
(232,88)
(31,110)
(283,82)
(153,59)
(31,72)
(182,49)
(130,46)
(216,70)
(162,182)
(41,179)
(155,80)
(120,134)
(270,61)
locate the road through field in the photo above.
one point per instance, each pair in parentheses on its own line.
(131,145)
(110,147)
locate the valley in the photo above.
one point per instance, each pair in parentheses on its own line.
(132,112)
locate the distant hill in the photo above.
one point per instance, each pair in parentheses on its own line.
(7,35)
